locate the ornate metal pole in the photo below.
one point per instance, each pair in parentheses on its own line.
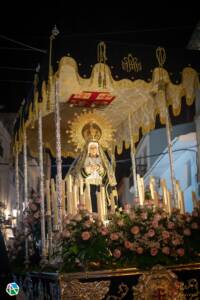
(58,156)
(41,166)
(133,157)
(54,32)
(161,57)
(25,194)
(17,183)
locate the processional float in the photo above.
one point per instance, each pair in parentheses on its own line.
(88,119)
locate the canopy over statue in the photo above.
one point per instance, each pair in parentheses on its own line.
(86,116)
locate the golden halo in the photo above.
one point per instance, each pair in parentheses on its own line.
(79,123)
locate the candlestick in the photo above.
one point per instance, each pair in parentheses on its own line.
(81,186)
(164,194)
(75,198)
(169,202)
(103,201)
(70,183)
(140,189)
(63,197)
(99,206)
(88,202)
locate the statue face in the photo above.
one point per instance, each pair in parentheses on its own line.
(93,149)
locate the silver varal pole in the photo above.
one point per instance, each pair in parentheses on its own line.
(25,195)
(171,162)
(161,57)
(41,167)
(58,157)
(133,157)
(17,184)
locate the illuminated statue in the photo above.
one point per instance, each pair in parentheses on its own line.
(92,175)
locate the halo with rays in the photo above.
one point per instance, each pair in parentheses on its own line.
(80,121)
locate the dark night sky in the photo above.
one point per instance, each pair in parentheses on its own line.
(126,22)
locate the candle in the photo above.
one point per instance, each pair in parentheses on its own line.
(75,199)
(169,202)
(154,194)
(99,206)
(140,189)
(88,203)
(82,199)
(69,195)
(63,196)
(48,198)
(112,203)
(164,194)
(103,201)
(70,183)
(81,186)
(151,186)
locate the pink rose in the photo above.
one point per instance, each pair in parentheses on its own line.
(154,251)
(32,206)
(66,221)
(195,213)
(135,230)
(104,231)
(81,206)
(176,241)
(36,215)
(58,236)
(120,223)
(38,199)
(136,200)
(170,225)
(132,216)
(128,245)
(87,224)
(78,217)
(127,208)
(194,225)
(117,253)
(187,231)
(166,250)
(165,235)
(66,233)
(139,250)
(157,217)
(154,224)
(144,215)
(180,251)
(114,236)
(85,235)
(151,233)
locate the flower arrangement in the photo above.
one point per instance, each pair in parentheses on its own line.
(84,242)
(141,237)
(28,228)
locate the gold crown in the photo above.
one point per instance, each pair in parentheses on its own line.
(91,132)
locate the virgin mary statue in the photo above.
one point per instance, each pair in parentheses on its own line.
(91,179)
